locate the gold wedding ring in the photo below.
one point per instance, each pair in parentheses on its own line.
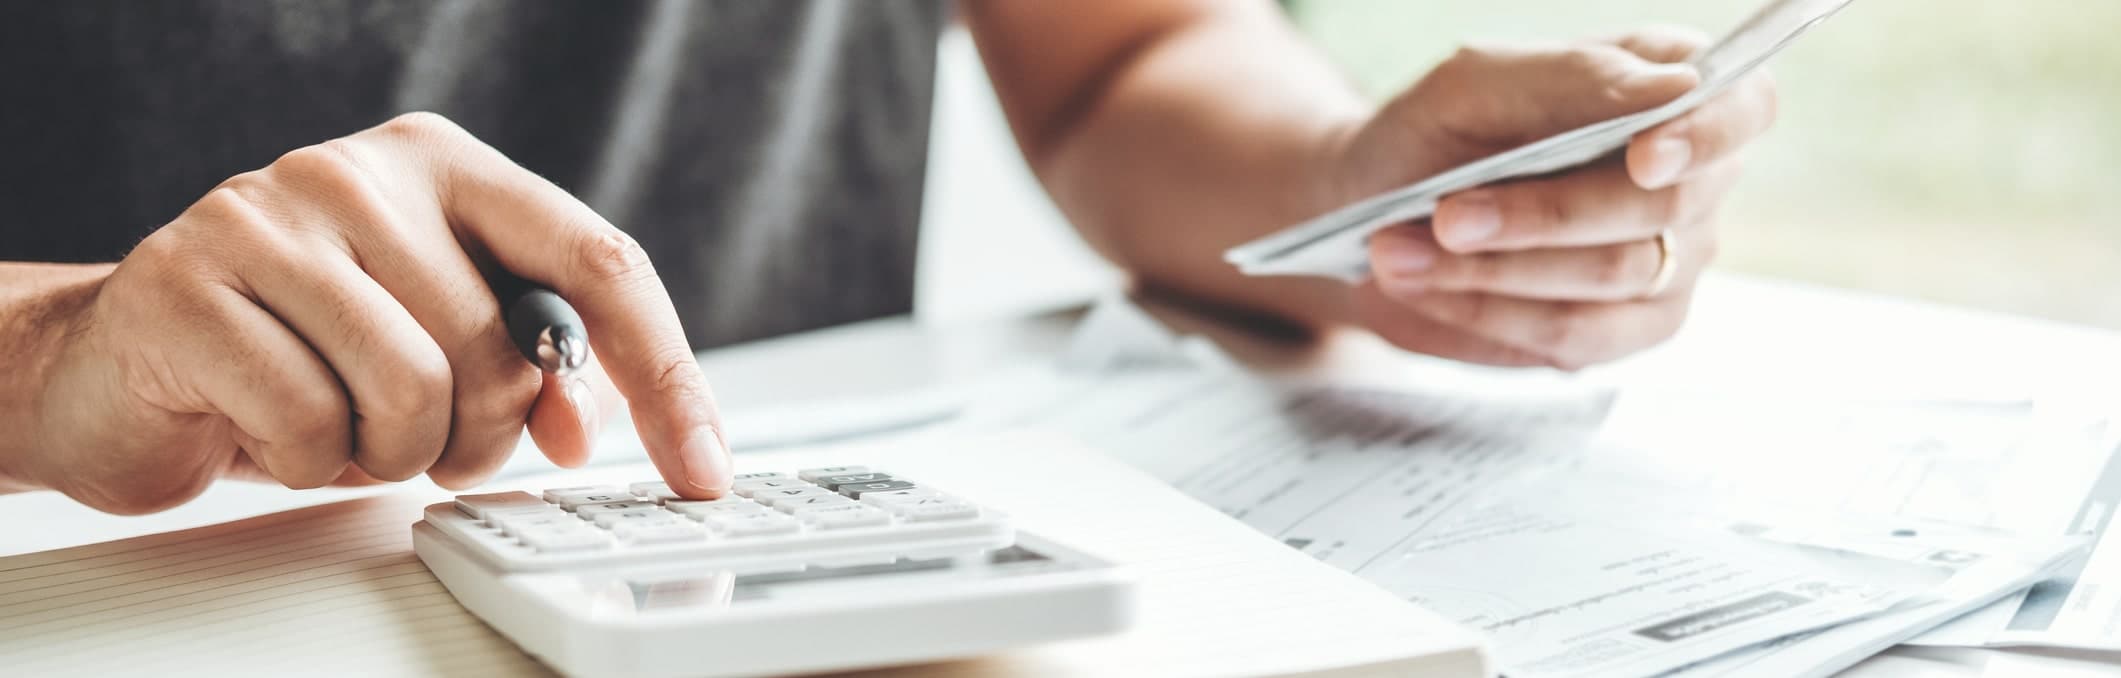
(1667,263)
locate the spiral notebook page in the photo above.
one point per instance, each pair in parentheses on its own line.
(337,587)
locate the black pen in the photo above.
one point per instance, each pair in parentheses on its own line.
(547,331)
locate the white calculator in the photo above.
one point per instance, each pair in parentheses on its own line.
(817,570)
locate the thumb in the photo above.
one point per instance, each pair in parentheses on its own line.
(1493,98)
(564,421)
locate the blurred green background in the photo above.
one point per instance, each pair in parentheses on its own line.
(1964,151)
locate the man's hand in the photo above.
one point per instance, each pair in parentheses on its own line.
(329,319)
(1554,270)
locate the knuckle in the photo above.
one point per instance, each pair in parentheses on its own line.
(421,126)
(1477,270)
(330,171)
(610,254)
(677,377)
(487,418)
(1593,58)
(1542,204)
(1465,55)
(421,383)
(312,415)
(480,443)
(150,491)
(229,205)
(506,397)
(1469,310)
(227,223)
(1619,267)
(1566,335)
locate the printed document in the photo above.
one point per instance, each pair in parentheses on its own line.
(1427,497)
(1448,498)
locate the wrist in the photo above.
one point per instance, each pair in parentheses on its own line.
(39,307)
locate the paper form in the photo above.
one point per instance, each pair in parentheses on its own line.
(337,588)
(1402,489)
(1982,566)
(2022,467)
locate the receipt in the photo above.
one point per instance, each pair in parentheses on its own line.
(1332,245)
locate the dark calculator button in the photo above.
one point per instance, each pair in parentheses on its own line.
(856,490)
(834,482)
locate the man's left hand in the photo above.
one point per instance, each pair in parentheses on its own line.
(1560,270)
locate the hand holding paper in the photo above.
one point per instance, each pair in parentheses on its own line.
(1519,261)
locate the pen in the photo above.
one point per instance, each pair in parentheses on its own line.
(547,331)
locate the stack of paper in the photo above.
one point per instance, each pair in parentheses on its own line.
(1601,534)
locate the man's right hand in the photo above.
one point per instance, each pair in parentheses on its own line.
(329,318)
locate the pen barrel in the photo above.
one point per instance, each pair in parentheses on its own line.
(547,330)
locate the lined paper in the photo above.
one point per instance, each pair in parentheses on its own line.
(333,588)
(337,588)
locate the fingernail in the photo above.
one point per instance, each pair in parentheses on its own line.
(585,408)
(1400,255)
(1468,218)
(1668,158)
(706,461)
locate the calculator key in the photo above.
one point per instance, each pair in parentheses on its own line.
(588,511)
(751,488)
(609,519)
(856,490)
(656,491)
(936,512)
(889,497)
(515,525)
(834,481)
(752,524)
(482,506)
(776,496)
(573,498)
(659,533)
(721,500)
(696,509)
(795,504)
(566,539)
(812,474)
(767,475)
(844,516)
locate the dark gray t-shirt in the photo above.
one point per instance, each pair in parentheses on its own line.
(769,155)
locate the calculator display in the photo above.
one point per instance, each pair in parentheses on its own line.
(634,595)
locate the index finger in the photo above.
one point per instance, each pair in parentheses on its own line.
(537,231)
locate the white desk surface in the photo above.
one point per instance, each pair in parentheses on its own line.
(1748,335)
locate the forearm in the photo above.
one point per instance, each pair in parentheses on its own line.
(36,303)
(1202,136)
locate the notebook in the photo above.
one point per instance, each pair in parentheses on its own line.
(337,588)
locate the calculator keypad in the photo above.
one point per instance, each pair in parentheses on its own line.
(767,513)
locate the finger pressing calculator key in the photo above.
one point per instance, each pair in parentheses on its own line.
(823,509)
(627,579)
